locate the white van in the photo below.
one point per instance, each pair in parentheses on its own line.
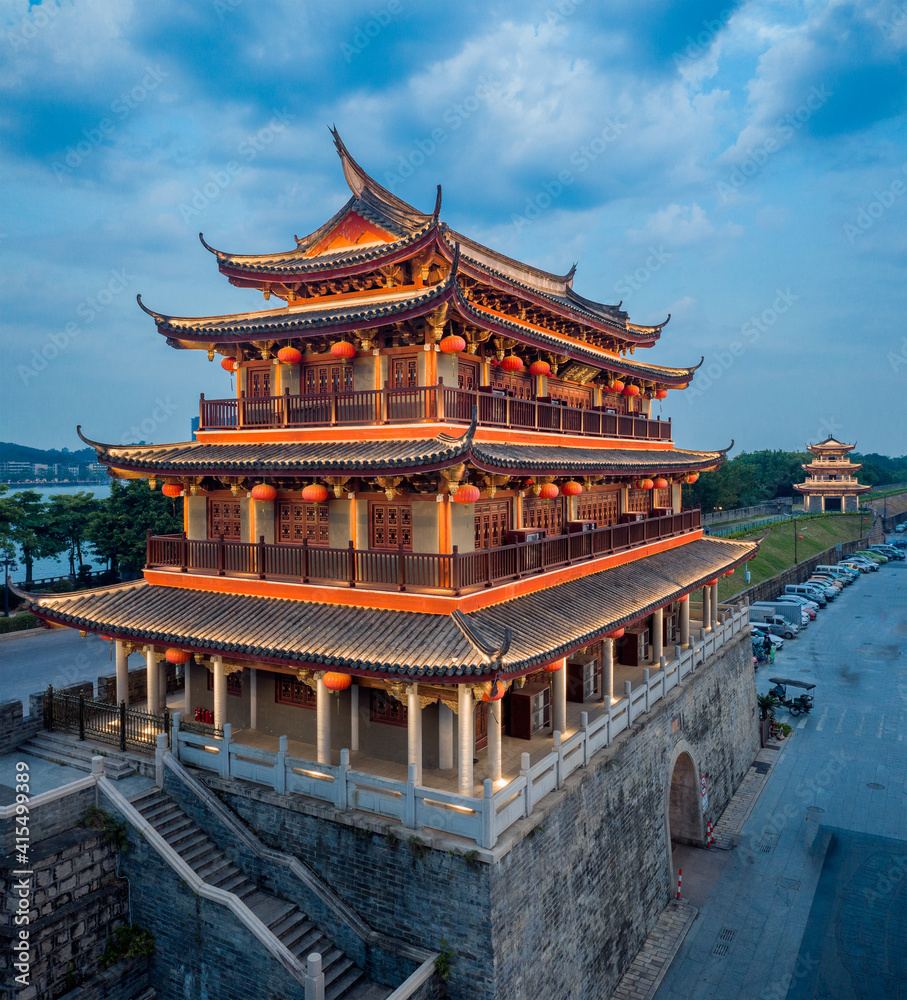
(810,593)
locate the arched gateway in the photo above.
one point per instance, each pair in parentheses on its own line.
(683,818)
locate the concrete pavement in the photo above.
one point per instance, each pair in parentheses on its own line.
(813,900)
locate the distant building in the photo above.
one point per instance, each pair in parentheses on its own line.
(830,485)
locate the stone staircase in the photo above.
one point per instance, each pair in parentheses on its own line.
(342,979)
(64,748)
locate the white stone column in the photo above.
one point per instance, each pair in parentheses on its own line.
(162,683)
(220,692)
(608,671)
(323,721)
(188,707)
(122,661)
(466,737)
(559,698)
(494,741)
(414,730)
(714,604)
(656,627)
(152,681)
(445,736)
(253,698)
(706,614)
(354,718)
(685,622)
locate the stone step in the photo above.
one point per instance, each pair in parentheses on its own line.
(272,910)
(344,985)
(59,754)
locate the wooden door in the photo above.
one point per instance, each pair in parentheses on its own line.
(320,379)
(519,385)
(404,371)
(639,500)
(492,522)
(598,507)
(571,393)
(467,374)
(391,525)
(547,515)
(258,381)
(298,522)
(481,724)
(224,518)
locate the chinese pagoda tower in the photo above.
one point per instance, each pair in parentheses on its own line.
(831,485)
(439,486)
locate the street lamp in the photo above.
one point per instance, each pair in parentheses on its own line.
(796,536)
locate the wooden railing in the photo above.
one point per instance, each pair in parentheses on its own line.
(428,571)
(424,404)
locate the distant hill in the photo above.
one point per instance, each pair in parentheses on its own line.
(10,452)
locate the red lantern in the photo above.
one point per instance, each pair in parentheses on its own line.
(631,390)
(289,356)
(512,364)
(495,691)
(692,477)
(452,345)
(711,583)
(616,386)
(685,597)
(494,361)
(552,668)
(730,572)
(646,484)
(539,368)
(106,638)
(616,635)
(572,488)
(528,482)
(176,656)
(661,483)
(264,491)
(342,350)
(229,364)
(171,489)
(467,494)
(549,491)
(336,681)
(661,393)
(316,493)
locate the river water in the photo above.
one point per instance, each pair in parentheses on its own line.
(59,565)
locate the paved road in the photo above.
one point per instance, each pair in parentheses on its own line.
(813,902)
(60,657)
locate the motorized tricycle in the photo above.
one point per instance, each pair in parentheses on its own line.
(796,705)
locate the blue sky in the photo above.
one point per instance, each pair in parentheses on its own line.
(740,166)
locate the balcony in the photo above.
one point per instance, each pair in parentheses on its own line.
(426,572)
(423,404)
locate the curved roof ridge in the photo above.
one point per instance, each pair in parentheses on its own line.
(561,279)
(362,184)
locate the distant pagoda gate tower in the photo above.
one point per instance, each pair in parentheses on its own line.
(831,483)
(437,519)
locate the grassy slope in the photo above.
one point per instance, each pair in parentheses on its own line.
(777,551)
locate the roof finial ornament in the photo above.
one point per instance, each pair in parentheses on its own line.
(480,644)
(209,248)
(437,211)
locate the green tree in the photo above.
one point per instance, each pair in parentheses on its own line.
(117,529)
(71,515)
(26,521)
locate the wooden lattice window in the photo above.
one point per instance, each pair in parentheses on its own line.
(234,683)
(298,522)
(258,381)
(663,497)
(404,372)
(598,507)
(224,519)
(386,709)
(522,386)
(639,500)
(289,691)
(573,395)
(322,379)
(391,525)
(467,375)
(492,522)
(547,515)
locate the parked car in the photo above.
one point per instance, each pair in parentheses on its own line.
(900,543)
(889,551)
(812,593)
(900,527)
(863,562)
(857,567)
(761,629)
(804,602)
(840,572)
(829,581)
(876,556)
(829,593)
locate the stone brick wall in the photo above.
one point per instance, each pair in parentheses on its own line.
(76,903)
(127,980)
(51,818)
(201,949)
(16,728)
(563,912)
